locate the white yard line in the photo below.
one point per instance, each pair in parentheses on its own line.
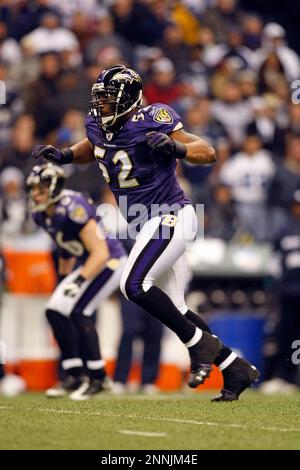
(142,433)
(151,418)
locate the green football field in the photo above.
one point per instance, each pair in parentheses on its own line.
(167,421)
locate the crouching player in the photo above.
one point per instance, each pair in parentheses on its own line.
(90,268)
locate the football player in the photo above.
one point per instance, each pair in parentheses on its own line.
(137,150)
(90,267)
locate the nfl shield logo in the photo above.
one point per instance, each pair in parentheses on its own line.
(109,136)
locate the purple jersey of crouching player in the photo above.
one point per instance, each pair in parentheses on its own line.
(72,213)
(130,168)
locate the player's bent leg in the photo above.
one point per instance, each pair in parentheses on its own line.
(238,374)
(153,254)
(102,286)
(65,334)
(94,362)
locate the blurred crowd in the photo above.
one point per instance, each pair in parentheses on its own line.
(229,74)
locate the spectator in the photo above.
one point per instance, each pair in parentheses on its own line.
(42,96)
(252,31)
(106,37)
(267,114)
(287,275)
(71,130)
(11,108)
(137,23)
(222,221)
(196,73)
(249,174)
(186,21)
(234,113)
(274,44)
(49,37)
(10,51)
(271,70)
(22,141)
(225,14)
(199,121)
(292,126)
(232,49)
(80,178)
(175,49)
(163,87)
(67,9)
(285,182)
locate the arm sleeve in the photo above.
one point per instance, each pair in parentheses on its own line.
(163,118)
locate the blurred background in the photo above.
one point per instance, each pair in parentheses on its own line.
(230,69)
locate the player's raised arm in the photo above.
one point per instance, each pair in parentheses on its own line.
(198,151)
(181,144)
(81,152)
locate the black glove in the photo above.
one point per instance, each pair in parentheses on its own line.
(164,143)
(53,154)
(73,288)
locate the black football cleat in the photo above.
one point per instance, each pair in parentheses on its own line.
(91,389)
(240,375)
(202,356)
(65,387)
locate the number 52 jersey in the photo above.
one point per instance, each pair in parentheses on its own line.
(135,174)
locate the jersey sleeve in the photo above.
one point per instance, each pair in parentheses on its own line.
(79,212)
(163,118)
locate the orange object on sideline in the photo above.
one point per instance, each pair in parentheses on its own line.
(29,272)
(39,374)
(170,378)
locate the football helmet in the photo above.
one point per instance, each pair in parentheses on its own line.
(45,176)
(117,91)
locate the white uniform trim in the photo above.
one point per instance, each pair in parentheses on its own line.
(70,363)
(194,340)
(227,361)
(169,271)
(94,365)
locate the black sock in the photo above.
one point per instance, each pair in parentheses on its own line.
(156,302)
(90,341)
(197,320)
(64,333)
(2,373)
(74,371)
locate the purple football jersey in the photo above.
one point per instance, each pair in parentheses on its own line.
(72,212)
(135,174)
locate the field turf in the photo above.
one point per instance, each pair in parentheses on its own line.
(166,421)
